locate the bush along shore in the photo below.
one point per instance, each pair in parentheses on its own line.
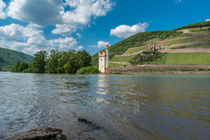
(58,62)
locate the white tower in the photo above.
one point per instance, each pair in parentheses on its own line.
(103,60)
(107,57)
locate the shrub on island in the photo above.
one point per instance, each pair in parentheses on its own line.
(88,70)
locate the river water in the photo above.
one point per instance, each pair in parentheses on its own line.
(130,107)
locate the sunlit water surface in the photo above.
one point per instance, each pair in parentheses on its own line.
(129,107)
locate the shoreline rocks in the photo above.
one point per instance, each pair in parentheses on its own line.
(89,123)
(47,133)
(42,133)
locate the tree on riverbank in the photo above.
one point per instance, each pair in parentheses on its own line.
(53,64)
(39,63)
(19,67)
(56,62)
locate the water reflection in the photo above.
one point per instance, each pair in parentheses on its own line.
(102,88)
(102,84)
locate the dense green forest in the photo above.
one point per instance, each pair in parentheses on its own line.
(58,62)
(9,57)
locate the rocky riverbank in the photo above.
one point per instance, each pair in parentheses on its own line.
(47,133)
(42,133)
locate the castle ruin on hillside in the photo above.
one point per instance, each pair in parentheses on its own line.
(103,60)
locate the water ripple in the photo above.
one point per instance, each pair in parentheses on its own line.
(124,106)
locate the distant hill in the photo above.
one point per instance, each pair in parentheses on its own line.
(196,25)
(10,57)
(188,41)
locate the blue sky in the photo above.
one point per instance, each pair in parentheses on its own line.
(32,25)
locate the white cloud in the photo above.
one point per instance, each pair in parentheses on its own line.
(55,12)
(19,33)
(42,12)
(30,39)
(102,44)
(2,12)
(124,31)
(66,15)
(207,19)
(64,43)
(64,29)
(85,9)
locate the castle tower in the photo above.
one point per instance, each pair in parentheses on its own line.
(107,59)
(103,60)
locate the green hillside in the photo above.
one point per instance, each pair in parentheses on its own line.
(187,38)
(137,40)
(9,57)
(196,25)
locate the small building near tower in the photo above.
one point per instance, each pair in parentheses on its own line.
(103,60)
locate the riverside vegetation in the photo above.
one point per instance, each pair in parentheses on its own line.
(58,62)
